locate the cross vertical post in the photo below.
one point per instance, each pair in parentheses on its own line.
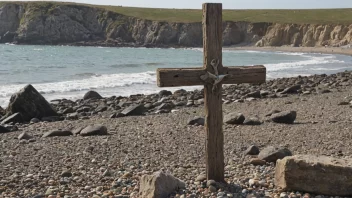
(212,75)
(212,49)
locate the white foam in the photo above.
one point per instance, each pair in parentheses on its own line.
(313,60)
(94,82)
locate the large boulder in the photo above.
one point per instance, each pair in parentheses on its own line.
(320,175)
(30,104)
(159,185)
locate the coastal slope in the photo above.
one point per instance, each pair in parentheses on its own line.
(49,23)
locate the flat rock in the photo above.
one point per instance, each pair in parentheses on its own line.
(94,130)
(320,175)
(4,129)
(55,133)
(30,104)
(292,89)
(24,136)
(257,162)
(159,185)
(92,95)
(196,121)
(234,118)
(14,118)
(285,117)
(252,150)
(134,110)
(77,131)
(271,154)
(252,121)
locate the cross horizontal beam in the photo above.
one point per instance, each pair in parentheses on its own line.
(191,76)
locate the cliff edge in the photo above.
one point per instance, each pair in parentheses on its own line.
(75,24)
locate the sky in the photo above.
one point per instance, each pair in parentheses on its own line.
(227,4)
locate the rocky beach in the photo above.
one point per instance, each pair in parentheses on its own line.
(105,147)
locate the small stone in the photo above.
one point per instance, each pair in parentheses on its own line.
(252,150)
(34,120)
(127,175)
(92,95)
(286,117)
(212,188)
(234,118)
(211,183)
(271,154)
(201,178)
(94,130)
(257,162)
(252,121)
(66,174)
(197,121)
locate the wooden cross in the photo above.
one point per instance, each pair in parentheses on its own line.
(212,76)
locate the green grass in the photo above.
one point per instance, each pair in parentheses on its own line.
(318,16)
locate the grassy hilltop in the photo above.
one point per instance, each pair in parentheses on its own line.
(317,16)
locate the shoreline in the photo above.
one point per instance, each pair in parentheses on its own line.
(322,50)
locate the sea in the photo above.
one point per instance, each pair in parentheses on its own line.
(69,72)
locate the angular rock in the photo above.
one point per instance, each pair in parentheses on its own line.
(4,129)
(234,118)
(252,121)
(30,104)
(159,185)
(271,154)
(14,118)
(92,95)
(293,89)
(255,94)
(134,110)
(166,106)
(56,133)
(94,130)
(180,92)
(320,175)
(24,136)
(285,117)
(197,121)
(252,150)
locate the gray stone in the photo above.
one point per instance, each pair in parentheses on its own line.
(201,177)
(34,120)
(272,112)
(252,121)
(252,150)
(271,154)
(255,94)
(52,119)
(30,104)
(77,131)
(134,110)
(292,89)
(92,95)
(94,130)
(24,136)
(319,175)
(163,93)
(66,174)
(234,118)
(197,121)
(56,133)
(159,185)
(286,117)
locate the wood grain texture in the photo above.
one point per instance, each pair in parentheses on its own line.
(191,76)
(212,49)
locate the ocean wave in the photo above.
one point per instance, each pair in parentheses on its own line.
(87,74)
(93,82)
(313,60)
(125,65)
